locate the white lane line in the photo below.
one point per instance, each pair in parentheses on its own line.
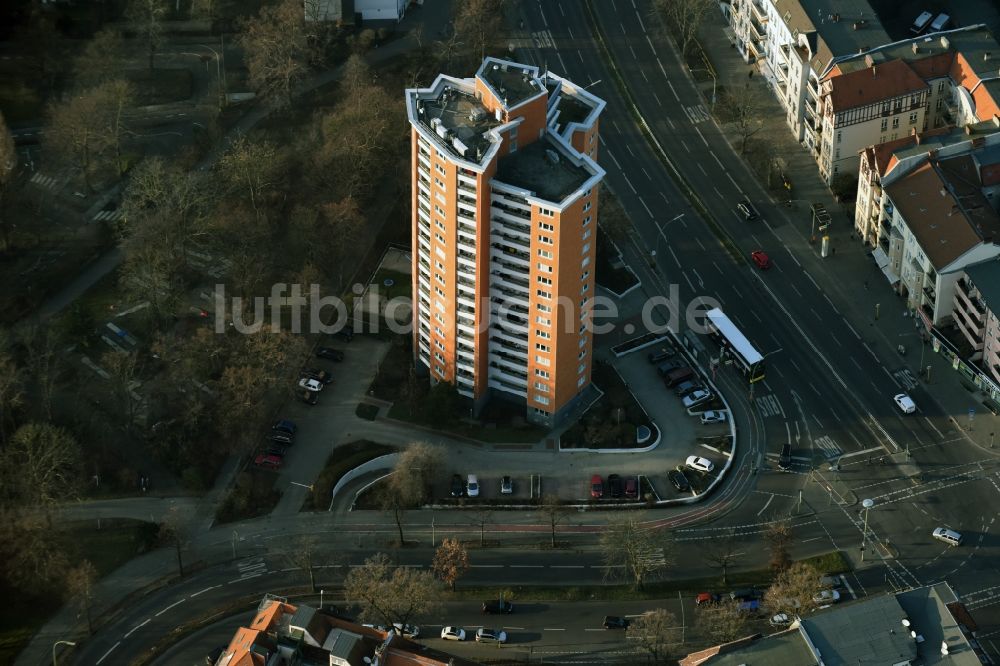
(595,629)
(236,580)
(933,426)
(641,24)
(865,452)
(889,375)
(551,629)
(733,181)
(613,158)
(794,259)
(716,158)
(571,33)
(176,603)
(702,169)
(829,301)
(813,281)
(852,329)
(818,422)
(645,206)
(676,96)
(622,26)
(701,135)
(690,284)
(719,268)
(559,4)
(717,191)
(631,186)
(527,566)
(796,365)
(837,340)
(815,314)
(685,145)
(486,566)
(700,244)
(105,655)
(579,54)
(737,291)
(766,504)
(657,97)
(676,260)
(205,590)
(629,149)
(634,57)
(855,361)
(816,391)
(646,172)
(792,285)
(756,316)
(544,21)
(566,566)
(136,627)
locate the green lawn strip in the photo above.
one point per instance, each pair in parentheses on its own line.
(340,461)
(833,562)
(675,174)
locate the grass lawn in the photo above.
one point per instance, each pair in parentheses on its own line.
(400,283)
(341,460)
(253,495)
(611,423)
(110,547)
(617,278)
(160,86)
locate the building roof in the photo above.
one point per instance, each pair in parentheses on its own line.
(867,86)
(928,610)
(786,648)
(512,82)
(832,28)
(544,167)
(870,632)
(944,207)
(986,277)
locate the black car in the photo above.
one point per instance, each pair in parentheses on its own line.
(614,485)
(309,397)
(281,437)
(330,354)
(497,607)
(785,459)
(684,388)
(457,485)
(660,355)
(667,367)
(344,335)
(679,481)
(615,622)
(275,451)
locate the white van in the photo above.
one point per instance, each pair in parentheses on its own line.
(921,23)
(940,23)
(950,537)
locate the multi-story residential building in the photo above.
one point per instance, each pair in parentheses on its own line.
(886,92)
(928,206)
(283,633)
(505,185)
(795,42)
(977,315)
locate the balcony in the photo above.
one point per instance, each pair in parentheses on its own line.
(758,11)
(498,303)
(521,240)
(515,214)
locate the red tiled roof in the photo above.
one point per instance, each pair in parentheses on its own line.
(867,86)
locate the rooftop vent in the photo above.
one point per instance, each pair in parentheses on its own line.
(945,42)
(552,156)
(914,47)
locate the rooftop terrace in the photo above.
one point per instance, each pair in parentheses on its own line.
(533,168)
(513,84)
(460,121)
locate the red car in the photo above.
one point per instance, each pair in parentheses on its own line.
(761,259)
(631,487)
(267,460)
(596,487)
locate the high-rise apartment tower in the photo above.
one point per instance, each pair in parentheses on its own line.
(505,186)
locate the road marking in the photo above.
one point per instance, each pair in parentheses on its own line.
(236,580)
(629,149)
(702,169)
(795,365)
(645,206)
(719,268)
(526,566)
(176,603)
(828,446)
(552,629)
(816,314)
(852,329)
(690,284)
(613,159)
(702,136)
(676,261)
(813,281)
(717,191)
(933,426)
(792,285)
(136,627)
(700,244)
(646,172)
(766,504)
(837,340)
(855,361)
(205,590)
(105,655)
(658,102)
(595,629)
(484,566)
(829,301)
(685,145)
(567,566)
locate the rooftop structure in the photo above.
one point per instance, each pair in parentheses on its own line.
(833,27)
(986,277)
(544,168)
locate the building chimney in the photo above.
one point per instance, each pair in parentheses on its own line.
(915,47)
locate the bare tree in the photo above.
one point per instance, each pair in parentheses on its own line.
(683,17)
(793,589)
(253,169)
(483,517)
(779,537)
(478,23)
(451,562)
(305,554)
(632,551)
(145,18)
(43,466)
(11,386)
(80,581)
(723,622)
(391,594)
(123,368)
(407,486)
(657,633)
(173,531)
(34,555)
(721,554)
(277,51)
(743,108)
(8,169)
(42,362)
(554,512)
(101,59)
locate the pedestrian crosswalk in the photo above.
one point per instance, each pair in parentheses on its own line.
(906,378)
(696,113)
(768,405)
(828,447)
(41,180)
(107,216)
(252,567)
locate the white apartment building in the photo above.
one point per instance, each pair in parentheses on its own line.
(977,315)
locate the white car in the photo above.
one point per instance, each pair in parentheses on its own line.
(905,403)
(406,630)
(696,398)
(472,486)
(827,597)
(712,416)
(780,620)
(453,634)
(311,384)
(699,464)
(485,635)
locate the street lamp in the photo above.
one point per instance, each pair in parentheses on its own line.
(715,80)
(661,235)
(321,599)
(867,504)
(57,644)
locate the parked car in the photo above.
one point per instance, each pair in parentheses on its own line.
(322,376)
(667,367)
(761,259)
(596,487)
(699,464)
(406,630)
(284,425)
(614,486)
(660,355)
(330,354)
(497,607)
(344,335)
(453,634)
(744,594)
(785,458)
(679,376)
(905,403)
(632,487)
(684,388)
(472,486)
(275,450)
(309,397)
(780,620)
(311,384)
(950,537)
(747,210)
(506,486)
(706,598)
(826,597)
(267,461)
(679,481)
(751,606)
(695,398)
(457,486)
(485,635)
(713,416)
(615,622)
(281,437)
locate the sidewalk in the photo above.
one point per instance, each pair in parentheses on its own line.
(849,277)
